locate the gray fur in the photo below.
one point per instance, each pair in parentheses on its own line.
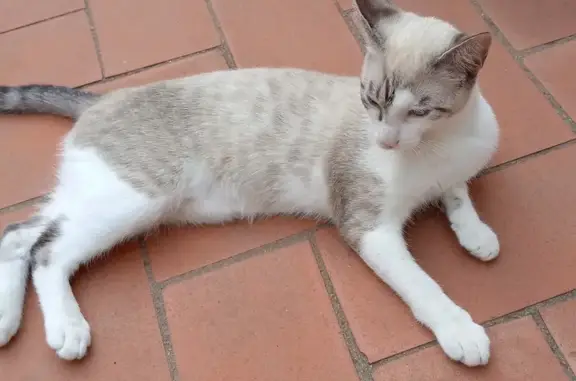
(38,253)
(45,99)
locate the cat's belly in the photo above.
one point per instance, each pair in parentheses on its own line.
(210,201)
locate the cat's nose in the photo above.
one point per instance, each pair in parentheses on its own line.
(390,145)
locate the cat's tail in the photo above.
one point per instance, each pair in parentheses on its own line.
(45,99)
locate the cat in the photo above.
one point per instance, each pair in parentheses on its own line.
(364,153)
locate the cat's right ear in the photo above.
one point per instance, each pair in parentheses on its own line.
(376,11)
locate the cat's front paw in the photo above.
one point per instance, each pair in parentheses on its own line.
(464,341)
(480,240)
(70,337)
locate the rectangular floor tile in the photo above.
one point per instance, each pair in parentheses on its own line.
(530,207)
(346,4)
(14,14)
(519,353)
(528,123)
(59,51)
(561,321)
(175,251)
(126,345)
(211,61)
(134,34)
(529,23)
(460,13)
(554,68)
(28,155)
(297,33)
(266,318)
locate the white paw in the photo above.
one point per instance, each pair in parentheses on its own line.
(480,240)
(464,341)
(10,317)
(70,337)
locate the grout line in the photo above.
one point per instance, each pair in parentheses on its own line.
(519,60)
(22,204)
(226,52)
(526,311)
(521,159)
(43,20)
(158,301)
(361,363)
(236,258)
(408,352)
(546,45)
(553,344)
(152,66)
(90,17)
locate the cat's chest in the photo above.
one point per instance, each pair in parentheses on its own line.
(426,175)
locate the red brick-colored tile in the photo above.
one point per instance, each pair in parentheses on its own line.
(346,4)
(298,33)
(530,207)
(528,122)
(553,68)
(126,344)
(529,23)
(134,34)
(28,155)
(381,323)
(266,318)
(14,14)
(59,51)
(211,61)
(460,13)
(519,353)
(175,251)
(561,321)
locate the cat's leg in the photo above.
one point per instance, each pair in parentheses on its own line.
(384,250)
(15,244)
(474,235)
(90,211)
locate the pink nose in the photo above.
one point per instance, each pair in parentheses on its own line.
(390,145)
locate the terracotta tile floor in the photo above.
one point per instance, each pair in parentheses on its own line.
(284,299)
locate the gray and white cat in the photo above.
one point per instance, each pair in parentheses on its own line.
(361,152)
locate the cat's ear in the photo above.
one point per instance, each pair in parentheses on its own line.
(467,55)
(375,11)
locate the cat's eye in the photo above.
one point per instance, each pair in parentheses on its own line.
(419,113)
(372,102)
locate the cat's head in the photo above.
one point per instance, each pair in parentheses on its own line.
(417,71)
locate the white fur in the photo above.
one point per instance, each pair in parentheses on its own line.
(427,37)
(101,210)
(385,252)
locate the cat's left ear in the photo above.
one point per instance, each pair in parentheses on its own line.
(467,55)
(375,11)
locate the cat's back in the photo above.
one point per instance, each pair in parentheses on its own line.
(225,108)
